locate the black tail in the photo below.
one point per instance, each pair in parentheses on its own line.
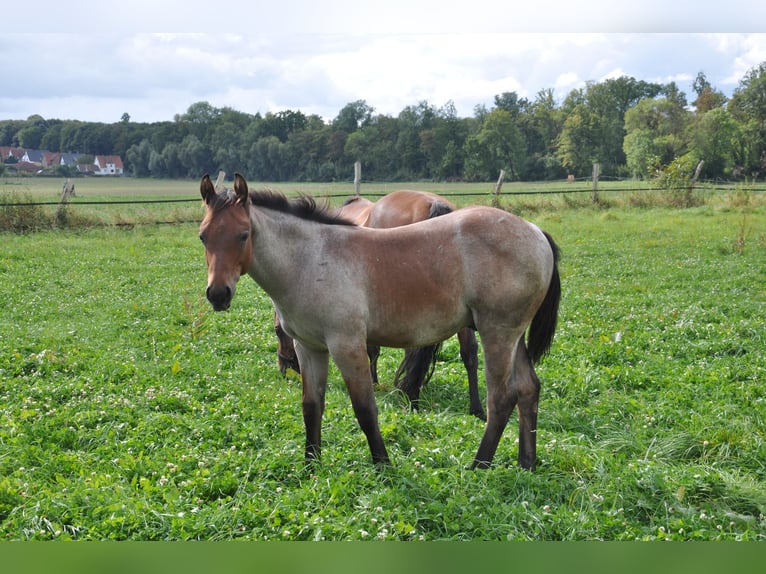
(416,369)
(543,325)
(439,208)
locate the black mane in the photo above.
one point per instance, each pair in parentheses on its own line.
(303,207)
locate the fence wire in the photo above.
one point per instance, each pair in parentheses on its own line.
(506,194)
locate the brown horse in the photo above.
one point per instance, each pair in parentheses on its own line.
(337,286)
(393,210)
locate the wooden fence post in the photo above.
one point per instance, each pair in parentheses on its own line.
(594,192)
(66,194)
(498,186)
(219,181)
(357,177)
(692,183)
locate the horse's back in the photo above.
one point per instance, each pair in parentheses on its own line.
(404,207)
(356,209)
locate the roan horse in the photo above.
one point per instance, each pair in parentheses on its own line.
(395,209)
(337,286)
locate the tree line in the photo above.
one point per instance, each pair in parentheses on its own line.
(631,127)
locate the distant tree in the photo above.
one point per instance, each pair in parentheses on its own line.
(31,136)
(195,156)
(748,107)
(125,118)
(541,123)
(576,147)
(708,98)
(595,123)
(412,120)
(655,135)
(138,156)
(353,116)
(499,145)
(716,138)
(51,140)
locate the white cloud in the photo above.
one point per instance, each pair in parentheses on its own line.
(270,67)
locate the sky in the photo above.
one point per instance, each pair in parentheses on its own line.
(94,62)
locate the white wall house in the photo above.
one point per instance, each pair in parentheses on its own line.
(108,165)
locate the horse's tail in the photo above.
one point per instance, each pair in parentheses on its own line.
(543,325)
(438,208)
(416,369)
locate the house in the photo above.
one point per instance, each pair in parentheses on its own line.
(69,159)
(108,165)
(11,152)
(34,156)
(51,159)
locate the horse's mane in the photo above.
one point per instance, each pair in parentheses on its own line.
(303,207)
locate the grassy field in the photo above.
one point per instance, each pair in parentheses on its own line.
(129,410)
(127,201)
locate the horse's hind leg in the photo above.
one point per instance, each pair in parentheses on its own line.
(528,389)
(469,353)
(498,358)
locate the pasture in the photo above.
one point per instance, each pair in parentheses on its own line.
(130,410)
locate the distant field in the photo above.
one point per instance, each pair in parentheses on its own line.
(108,201)
(129,410)
(97,188)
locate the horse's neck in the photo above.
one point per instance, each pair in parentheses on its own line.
(282,245)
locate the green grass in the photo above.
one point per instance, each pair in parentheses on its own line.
(129,410)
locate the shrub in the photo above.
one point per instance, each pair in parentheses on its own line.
(676,178)
(20,214)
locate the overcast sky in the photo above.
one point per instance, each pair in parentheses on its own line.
(153,59)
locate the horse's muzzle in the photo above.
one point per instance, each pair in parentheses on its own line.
(219,297)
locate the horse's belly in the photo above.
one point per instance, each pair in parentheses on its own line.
(417,329)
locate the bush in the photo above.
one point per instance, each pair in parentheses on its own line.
(20,214)
(676,179)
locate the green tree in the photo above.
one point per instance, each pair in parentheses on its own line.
(413,161)
(499,145)
(138,157)
(716,139)
(748,107)
(576,148)
(31,137)
(541,123)
(655,134)
(268,159)
(708,98)
(195,157)
(353,116)
(596,120)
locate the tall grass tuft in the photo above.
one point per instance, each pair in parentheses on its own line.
(20,214)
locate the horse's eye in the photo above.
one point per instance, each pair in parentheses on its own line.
(244,236)
(202,239)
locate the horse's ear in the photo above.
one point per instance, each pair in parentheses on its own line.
(240,188)
(206,189)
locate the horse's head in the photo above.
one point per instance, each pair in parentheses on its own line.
(227,236)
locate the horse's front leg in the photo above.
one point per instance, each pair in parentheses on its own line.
(314,365)
(352,361)
(469,353)
(373,352)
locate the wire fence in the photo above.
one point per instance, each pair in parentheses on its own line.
(700,186)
